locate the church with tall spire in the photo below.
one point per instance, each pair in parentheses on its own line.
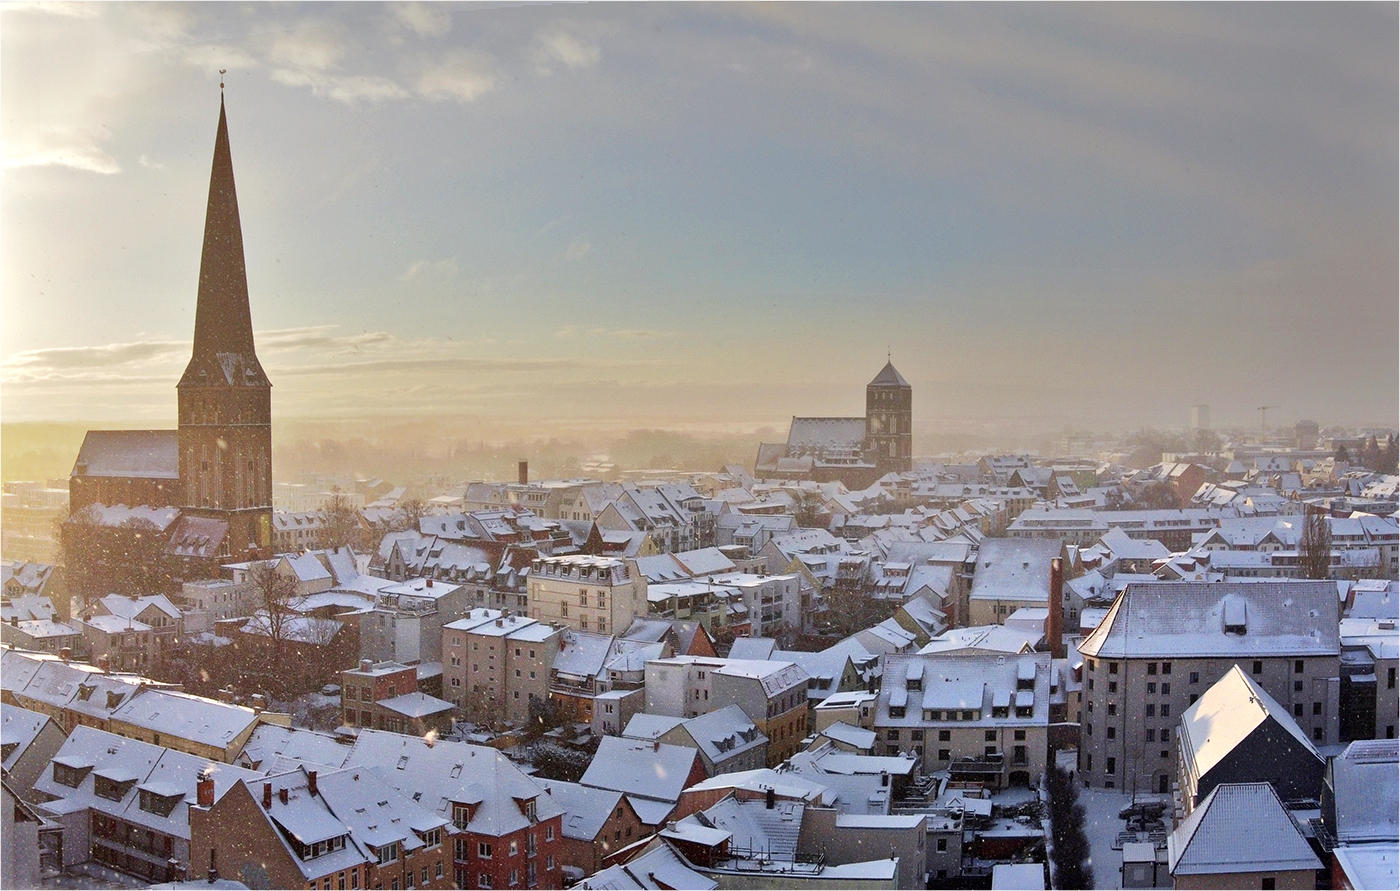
(225,398)
(206,486)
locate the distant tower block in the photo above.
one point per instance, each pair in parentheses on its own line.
(1305,434)
(1200,417)
(889,421)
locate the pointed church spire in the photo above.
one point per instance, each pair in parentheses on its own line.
(223,326)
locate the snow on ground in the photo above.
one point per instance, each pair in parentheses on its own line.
(90,875)
(1102,825)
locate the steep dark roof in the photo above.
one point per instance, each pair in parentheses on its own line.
(223,325)
(889,377)
(150,454)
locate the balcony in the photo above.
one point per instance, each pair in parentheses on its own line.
(987,765)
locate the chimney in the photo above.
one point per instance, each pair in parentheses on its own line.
(1054,624)
(259,703)
(884,778)
(104,662)
(366,665)
(14,621)
(311,781)
(770,798)
(204,789)
(267,796)
(282,795)
(65,653)
(656,744)
(430,582)
(213,865)
(524,473)
(500,622)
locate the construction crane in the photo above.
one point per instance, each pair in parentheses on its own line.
(1264,419)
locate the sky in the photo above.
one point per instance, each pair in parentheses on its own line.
(712,217)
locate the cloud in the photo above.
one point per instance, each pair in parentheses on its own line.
(461,76)
(312,47)
(53,145)
(349,89)
(623,333)
(555,46)
(424,19)
(69,363)
(68,10)
(431,270)
(147,162)
(577,250)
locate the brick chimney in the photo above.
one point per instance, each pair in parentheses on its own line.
(311,781)
(1055,621)
(282,795)
(204,789)
(524,468)
(267,796)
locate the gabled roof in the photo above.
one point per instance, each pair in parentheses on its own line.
(151,454)
(1282,618)
(648,770)
(437,773)
(585,808)
(1366,791)
(19,727)
(182,715)
(1226,715)
(1239,828)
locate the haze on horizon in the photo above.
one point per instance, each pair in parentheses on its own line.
(712,217)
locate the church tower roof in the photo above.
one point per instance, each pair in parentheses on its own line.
(223,326)
(889,377)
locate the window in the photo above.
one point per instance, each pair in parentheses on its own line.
(549,836)
(943,755)
(514,847)
(1151,735)
(1020,734)
(1317,734)
(1297,666)
(1317,708)
(1152,668)
(1166,710)
(72,777)
(1195,677)
(892,735)
(388,853)
(1297,710)
(942,845)
(990,735)
(1111,731)
(1113,708)
(1390,679)
(438,874)
(1113,686)
(1113,668)
(1258,667)
(1166,689)
(483,880)
(483,850)
(1112,766)
(1267,883)
(945,735)
(1152,687)
(1166,668)
(1194,697)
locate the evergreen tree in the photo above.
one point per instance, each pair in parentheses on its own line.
(1070,856)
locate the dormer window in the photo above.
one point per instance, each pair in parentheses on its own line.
(111,789)
(161,805)
(69,775)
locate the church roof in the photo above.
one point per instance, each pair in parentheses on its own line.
(223,325)
(152,454)
(889,377)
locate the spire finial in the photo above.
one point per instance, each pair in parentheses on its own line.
(222,72)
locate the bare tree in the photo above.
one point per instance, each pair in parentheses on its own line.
(340,522)
(274,593)
(413,510)
(1315,546)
